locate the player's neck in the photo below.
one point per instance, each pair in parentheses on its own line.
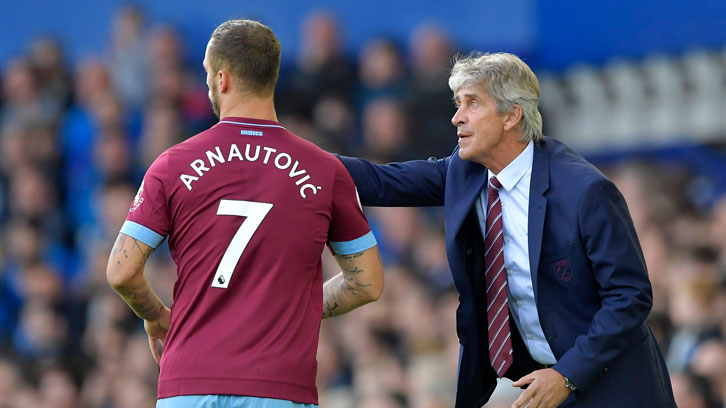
(249,107)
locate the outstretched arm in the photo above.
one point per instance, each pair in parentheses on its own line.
(416,183)
(360,282)
(125,274)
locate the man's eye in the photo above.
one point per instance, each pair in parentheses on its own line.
(474,104)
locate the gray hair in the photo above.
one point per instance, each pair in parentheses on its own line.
(508,80)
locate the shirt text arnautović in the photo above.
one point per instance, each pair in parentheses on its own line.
(281,160)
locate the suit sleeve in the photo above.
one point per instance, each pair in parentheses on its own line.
(613,250)
(415,183)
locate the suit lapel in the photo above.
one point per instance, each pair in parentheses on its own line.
(539,184)
(474,179)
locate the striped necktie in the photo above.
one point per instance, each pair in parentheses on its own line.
(500,343)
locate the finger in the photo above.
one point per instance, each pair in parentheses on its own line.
(154,349)
(527,379)
(535,402)
(523,399)
(520,404)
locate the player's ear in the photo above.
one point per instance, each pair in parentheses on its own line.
(223,80)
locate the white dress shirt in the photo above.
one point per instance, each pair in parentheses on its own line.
(514,196)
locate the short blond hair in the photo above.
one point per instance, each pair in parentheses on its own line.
(508,80)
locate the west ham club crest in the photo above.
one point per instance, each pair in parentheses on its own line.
(563,270)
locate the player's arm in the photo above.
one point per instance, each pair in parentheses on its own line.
(125,274)
(360,282)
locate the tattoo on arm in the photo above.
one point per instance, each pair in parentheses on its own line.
(137,291)
(143,301)
(330,304)
(351,256)
(122,247)
(344,292)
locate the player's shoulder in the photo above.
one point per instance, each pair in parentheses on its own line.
(173,152)
(191,144)
(195,139)
(311,150)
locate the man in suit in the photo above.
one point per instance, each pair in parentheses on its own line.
(552,283)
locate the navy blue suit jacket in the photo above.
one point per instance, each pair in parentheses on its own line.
(590,280)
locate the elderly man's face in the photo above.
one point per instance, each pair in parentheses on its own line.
(479,128)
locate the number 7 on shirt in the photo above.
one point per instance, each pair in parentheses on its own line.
(255,213)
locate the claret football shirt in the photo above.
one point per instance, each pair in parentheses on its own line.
(248,208)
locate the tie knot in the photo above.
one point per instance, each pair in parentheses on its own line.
(495,183)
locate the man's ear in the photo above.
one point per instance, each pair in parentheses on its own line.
(514,117)
(223,81)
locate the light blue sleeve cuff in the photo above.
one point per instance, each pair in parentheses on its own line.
(361,244)
(141,233)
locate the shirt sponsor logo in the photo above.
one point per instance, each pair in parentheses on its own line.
(252,153)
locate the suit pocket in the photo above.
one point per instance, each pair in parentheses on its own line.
(557,263)
(550,256)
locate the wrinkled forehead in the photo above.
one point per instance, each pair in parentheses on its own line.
(470,90)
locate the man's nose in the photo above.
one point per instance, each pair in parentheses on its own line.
(458,118)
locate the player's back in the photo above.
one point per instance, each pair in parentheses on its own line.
(249,208)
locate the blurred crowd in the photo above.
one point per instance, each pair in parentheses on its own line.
(660,99)
(77,136)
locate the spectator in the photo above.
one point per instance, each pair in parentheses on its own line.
(127,57)
(54,78)
(709,361)
(691,391)
(322,67)
(382,71)
(22,96)
(429,97)
(385,130)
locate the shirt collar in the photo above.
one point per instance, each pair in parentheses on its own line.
(510,175)
(237,120)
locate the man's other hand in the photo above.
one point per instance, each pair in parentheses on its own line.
(546,389)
